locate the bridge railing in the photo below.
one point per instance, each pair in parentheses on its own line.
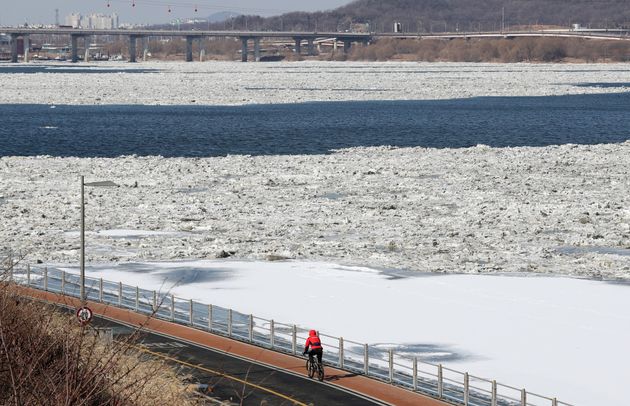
(435,380)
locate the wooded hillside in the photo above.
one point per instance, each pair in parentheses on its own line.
(446,15)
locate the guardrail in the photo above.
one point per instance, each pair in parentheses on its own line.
(435,380)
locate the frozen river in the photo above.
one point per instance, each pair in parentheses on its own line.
(539,188)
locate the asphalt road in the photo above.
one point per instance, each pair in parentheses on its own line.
(233,379)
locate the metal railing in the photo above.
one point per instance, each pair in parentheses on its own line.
(434,380)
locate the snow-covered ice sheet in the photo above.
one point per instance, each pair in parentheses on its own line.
(554,336)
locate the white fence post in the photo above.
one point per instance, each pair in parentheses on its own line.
(191,320)
(366,359)
(100,290)
(554,402)
(272,329)
(494,393)
(440,382)
(210,317)
(229,323)
(120,293)
(46,278)
(466,389)
(341,352)
(137,298)
(251,328)
(172,307)
(294,340)
(28,275)
(63,282)
(155,302)
(523,398)
(391,365)
(415,373)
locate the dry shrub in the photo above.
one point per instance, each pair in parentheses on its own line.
(222,48)
(46,358)
(528,49)
(550,49)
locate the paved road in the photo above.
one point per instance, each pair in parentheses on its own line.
(231,378)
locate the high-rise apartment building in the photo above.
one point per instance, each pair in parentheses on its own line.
(93,21)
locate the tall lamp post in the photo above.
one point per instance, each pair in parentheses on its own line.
(83,184)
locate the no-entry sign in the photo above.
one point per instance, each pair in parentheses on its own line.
(84,315)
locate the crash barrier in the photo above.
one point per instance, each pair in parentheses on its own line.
(385,364)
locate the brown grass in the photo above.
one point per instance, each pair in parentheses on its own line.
(495,50)
(47,358)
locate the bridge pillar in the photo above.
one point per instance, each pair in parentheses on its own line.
(14,48)
(298,46)
(257,49)
(132,48)
(27,47)
(86,44)
(244,49)
(311,47)
(189,47)
(145,48)
(74,52)
(346,46)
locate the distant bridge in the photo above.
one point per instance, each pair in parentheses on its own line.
(311,38)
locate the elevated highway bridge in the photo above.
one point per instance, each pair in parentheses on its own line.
(311,38)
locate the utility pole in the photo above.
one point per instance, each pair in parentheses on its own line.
(503,19)
(57,17)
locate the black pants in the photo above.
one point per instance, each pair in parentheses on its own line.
(316,351)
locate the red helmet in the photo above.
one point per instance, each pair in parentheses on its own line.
(312,333)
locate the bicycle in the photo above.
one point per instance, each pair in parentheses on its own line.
(315,367)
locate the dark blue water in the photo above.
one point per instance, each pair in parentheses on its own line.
(311,128)
(83,69)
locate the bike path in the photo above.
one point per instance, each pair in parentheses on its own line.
(274,370)
(234,379)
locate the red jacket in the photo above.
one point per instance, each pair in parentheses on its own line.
(312,341)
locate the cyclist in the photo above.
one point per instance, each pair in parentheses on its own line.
(315,347)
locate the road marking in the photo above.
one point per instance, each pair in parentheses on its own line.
(262,388)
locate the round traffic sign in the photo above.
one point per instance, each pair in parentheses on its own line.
(84,315)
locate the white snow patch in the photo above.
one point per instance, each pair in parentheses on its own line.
(554,336)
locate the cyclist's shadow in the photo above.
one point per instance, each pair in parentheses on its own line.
(332,378)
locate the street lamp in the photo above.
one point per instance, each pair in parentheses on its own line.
(83,184)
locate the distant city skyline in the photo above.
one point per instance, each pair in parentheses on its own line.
(151,11)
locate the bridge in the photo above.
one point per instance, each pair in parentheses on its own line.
(347,38)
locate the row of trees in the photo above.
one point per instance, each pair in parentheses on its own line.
(500,50)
